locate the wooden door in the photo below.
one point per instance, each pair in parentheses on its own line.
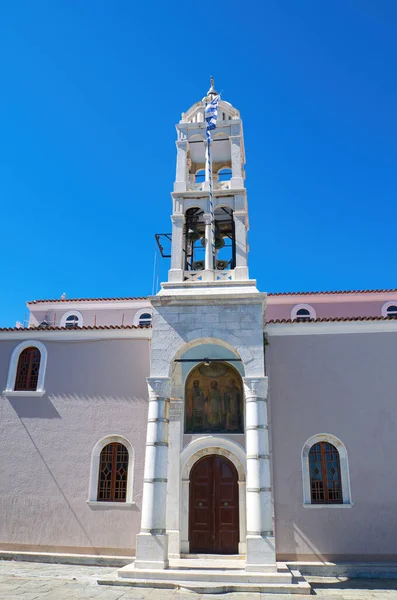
(213,507)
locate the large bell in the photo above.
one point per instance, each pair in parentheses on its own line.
(219,241)
(193,236)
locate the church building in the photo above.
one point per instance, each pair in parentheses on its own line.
(211,421)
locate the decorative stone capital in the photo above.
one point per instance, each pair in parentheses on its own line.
(181,144)
(256,387)
(159,387)
(177,219)
(240,215)
(207,218)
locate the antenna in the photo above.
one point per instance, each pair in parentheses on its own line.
(154,270)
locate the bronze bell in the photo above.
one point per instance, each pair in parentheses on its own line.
(219,241)
(193,236)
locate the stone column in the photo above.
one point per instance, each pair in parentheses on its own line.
(240,232)
(260,540)
(175,433)
(209,263)
(237,181)
(176,271)
(181,166)
(152,541)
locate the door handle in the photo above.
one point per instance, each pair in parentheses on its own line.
(200,504)
(226,504)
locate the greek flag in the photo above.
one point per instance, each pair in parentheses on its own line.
(211,113)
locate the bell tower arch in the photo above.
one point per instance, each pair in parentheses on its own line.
(191,229)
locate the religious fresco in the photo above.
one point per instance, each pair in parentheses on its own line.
(214,400)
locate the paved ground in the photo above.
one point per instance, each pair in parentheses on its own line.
(28,581)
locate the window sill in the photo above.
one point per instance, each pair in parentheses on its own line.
(347,505)
(94,504)
(23,393)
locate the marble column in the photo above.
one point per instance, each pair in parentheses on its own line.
(175,433)
(260,540)
(237,180)
(176,271)
(240,232)
(152,541)
(181,166)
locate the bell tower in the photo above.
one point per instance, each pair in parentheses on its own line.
(208,313)
(191,258)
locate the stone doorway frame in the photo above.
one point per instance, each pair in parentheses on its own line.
(197,449)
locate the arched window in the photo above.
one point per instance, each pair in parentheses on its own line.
(145,319)
(26,371)
(113,473)
(72,320)
(325,471)
(27,375)
(325,476)
(302,313)
(224,174)
(200,176)
(391,311)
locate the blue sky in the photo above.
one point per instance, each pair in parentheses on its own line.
(89,95)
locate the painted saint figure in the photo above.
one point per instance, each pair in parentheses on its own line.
(232,404)
(196,414)
(214,407)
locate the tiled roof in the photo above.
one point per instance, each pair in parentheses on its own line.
(128,298)
(330,320)
(84,328)
(86,300)
(332,292)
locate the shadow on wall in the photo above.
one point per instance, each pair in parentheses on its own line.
(43,407)
(68,504)
(33,408)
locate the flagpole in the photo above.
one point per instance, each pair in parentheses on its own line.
(211,113)
(210,256)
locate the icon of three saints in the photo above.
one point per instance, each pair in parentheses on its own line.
(216,410)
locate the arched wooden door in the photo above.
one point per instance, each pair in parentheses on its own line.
(213,507)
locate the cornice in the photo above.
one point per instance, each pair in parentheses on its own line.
(79,334)
(332,327)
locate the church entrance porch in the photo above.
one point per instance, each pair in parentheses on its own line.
(213,507)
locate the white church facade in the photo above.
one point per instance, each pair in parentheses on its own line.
(210,419)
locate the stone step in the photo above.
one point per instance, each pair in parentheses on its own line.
(210,587)
(228,557)
(222,562)
(204,574)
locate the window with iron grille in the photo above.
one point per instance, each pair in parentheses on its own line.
(28,370)
(325,476)
(113,471)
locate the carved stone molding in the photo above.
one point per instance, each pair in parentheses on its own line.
(159,387)
(256,387)
(176,410)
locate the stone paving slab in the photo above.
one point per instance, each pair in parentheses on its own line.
(33,581)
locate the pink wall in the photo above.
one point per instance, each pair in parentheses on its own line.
(94,389)
(344,385)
